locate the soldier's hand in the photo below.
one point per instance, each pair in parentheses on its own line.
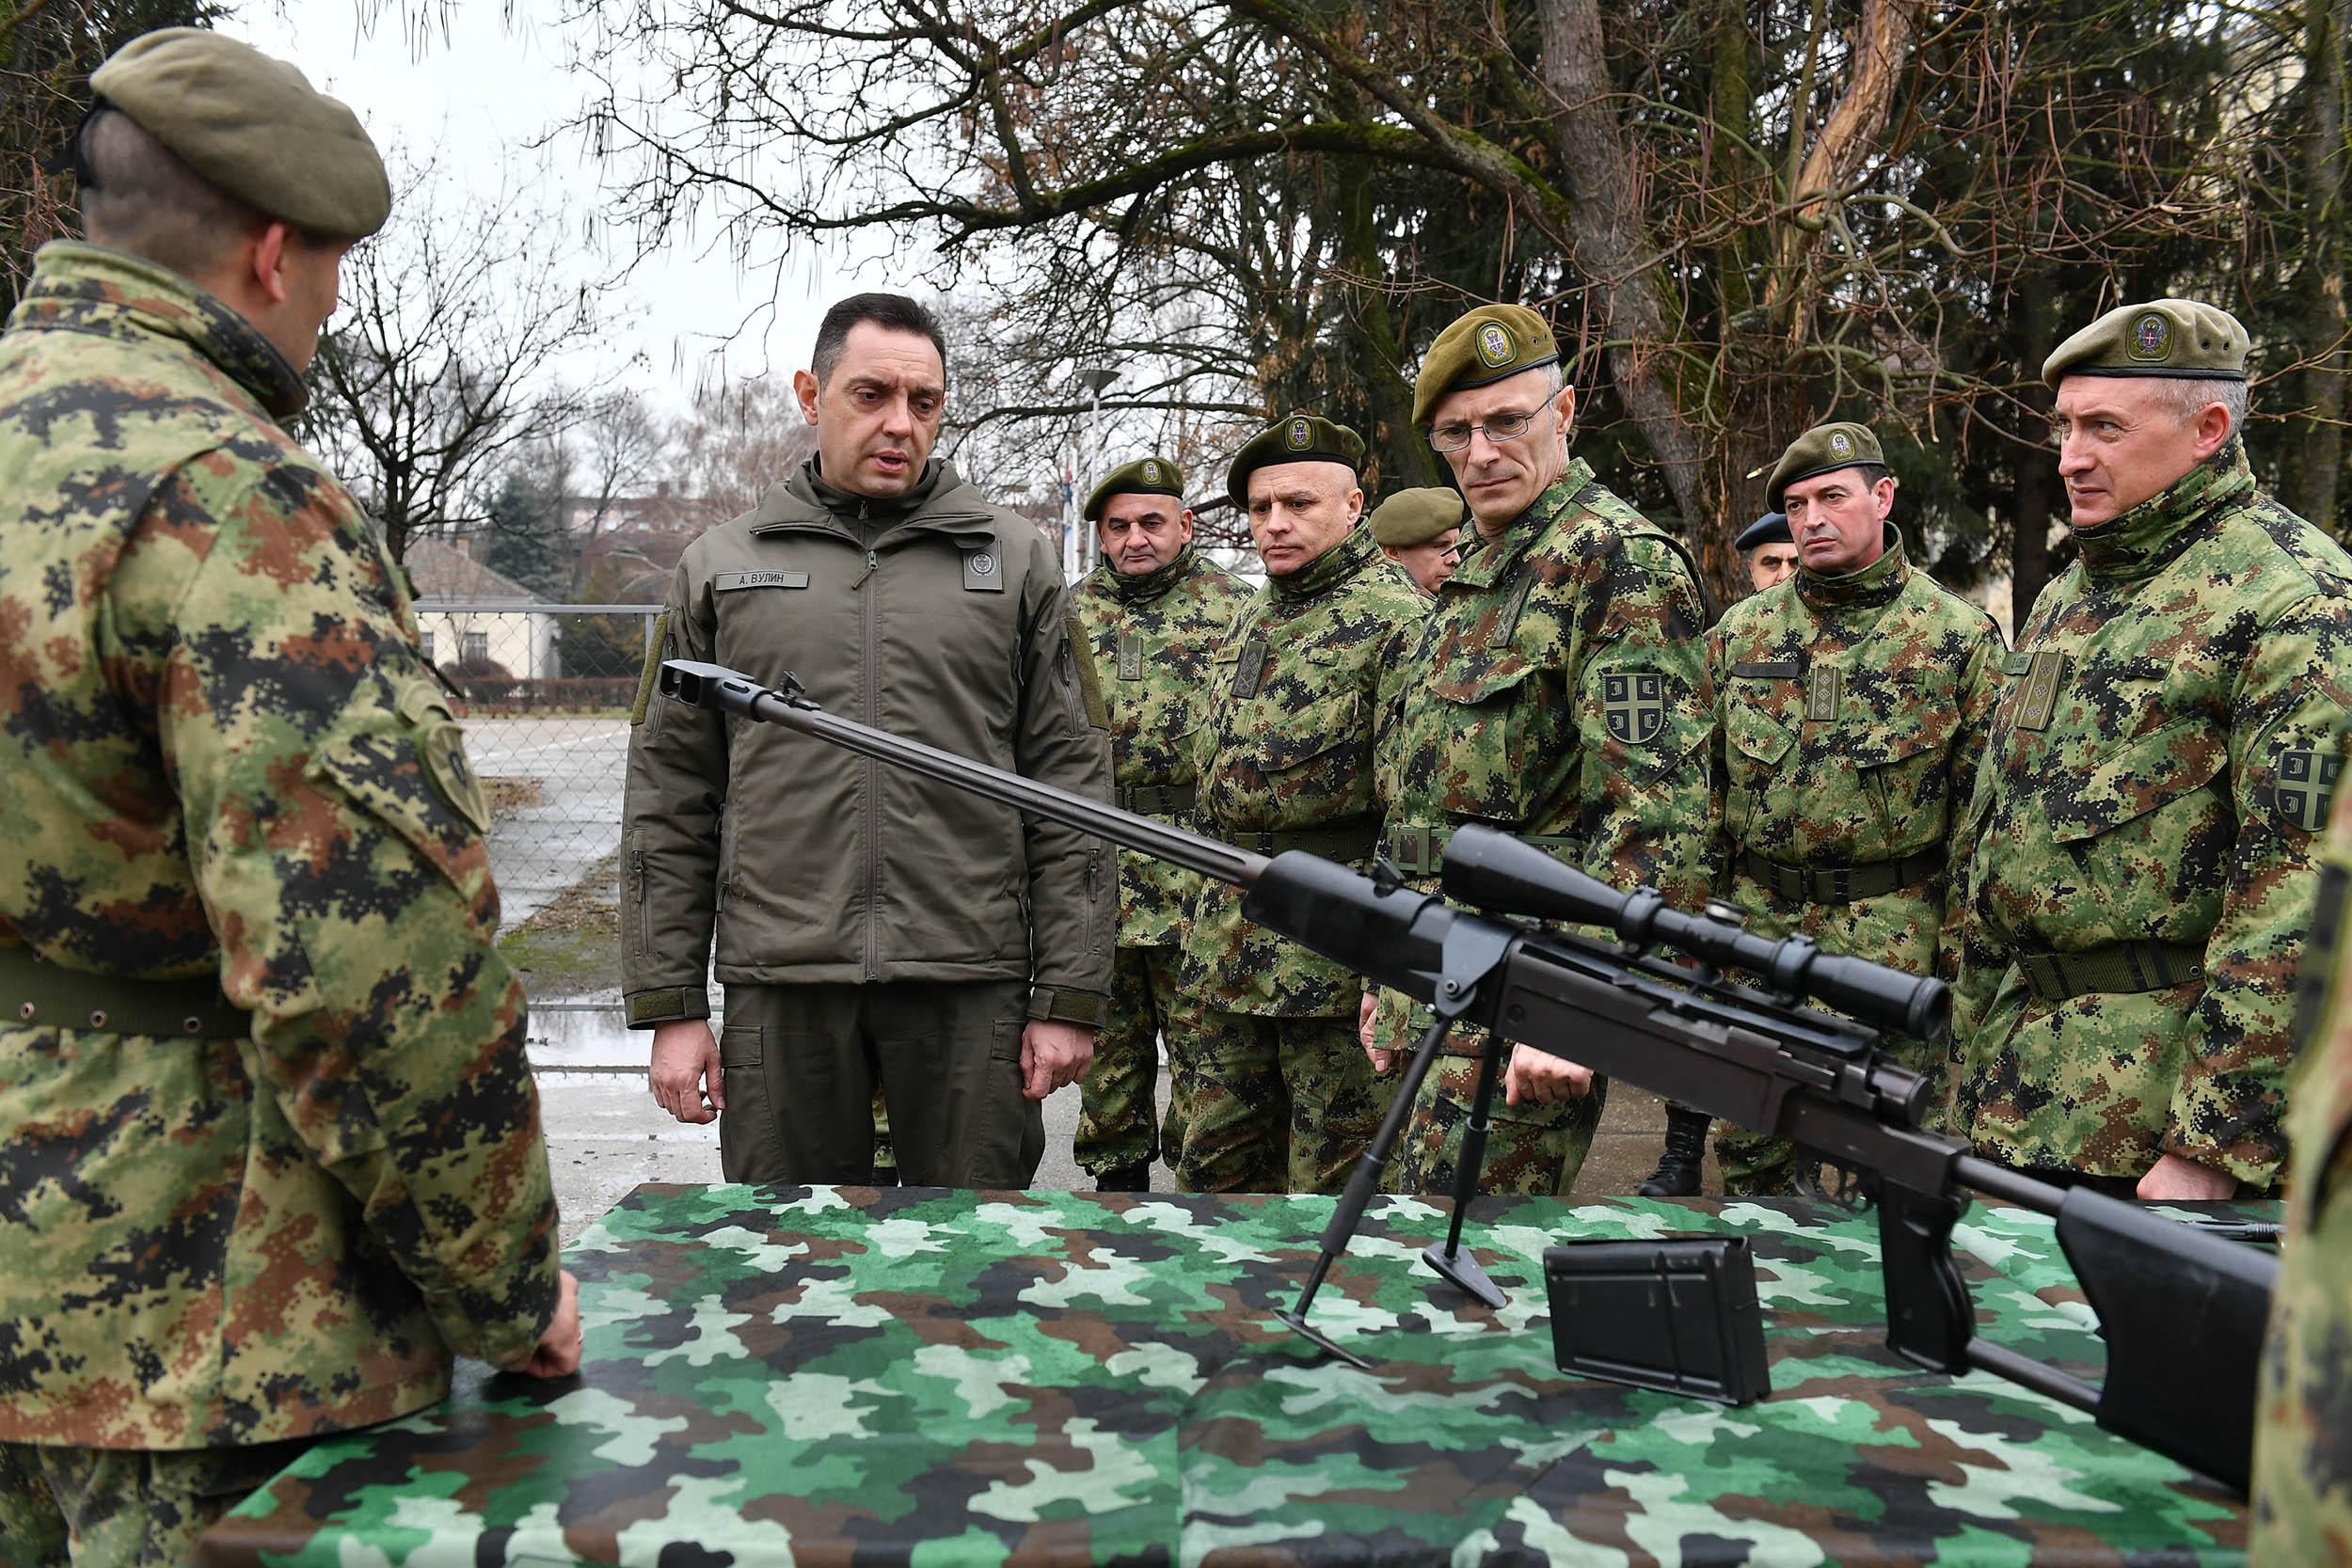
(1052,1055)
(685,1059)
(1381,1060)
(557,1354)
(2177,1181)
(1538,1078)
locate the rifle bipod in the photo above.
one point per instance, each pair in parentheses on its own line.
(1465,965)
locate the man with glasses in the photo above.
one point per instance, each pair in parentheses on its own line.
(1559,693)
(1422,531)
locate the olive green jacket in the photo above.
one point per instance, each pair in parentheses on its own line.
(810,864)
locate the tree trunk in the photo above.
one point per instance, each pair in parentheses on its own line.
(2319,456)
(1615,252)
(1403,458)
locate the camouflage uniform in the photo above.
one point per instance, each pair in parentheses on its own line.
(1558,692)
(1297,691)
(2142,831)
(1152,634)
(287,1162)
(2302,1461)
(1853,713)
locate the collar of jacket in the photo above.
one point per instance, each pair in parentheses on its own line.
(1874,587)
(940,501)
(2139,542)
(77,287)
(846,505)
(1146,586)
(1486,562)
(1356,550)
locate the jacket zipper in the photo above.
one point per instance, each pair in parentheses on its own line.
(873,774)
(645,908)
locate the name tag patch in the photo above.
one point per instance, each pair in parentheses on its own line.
(728,582)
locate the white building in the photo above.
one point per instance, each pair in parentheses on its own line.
(463,609)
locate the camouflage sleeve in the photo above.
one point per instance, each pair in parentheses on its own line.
(677,769)
(1720,848)
(1980,690)
(2289,707)
(1063,736)
(1646,807)
(336,834)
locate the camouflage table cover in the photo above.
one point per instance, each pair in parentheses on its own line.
(932,1378)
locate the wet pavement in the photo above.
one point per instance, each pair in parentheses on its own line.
(540,850)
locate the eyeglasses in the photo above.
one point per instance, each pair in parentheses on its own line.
(1498,428)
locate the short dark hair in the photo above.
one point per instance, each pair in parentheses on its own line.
(136,194)
(1873,473)
(893,313)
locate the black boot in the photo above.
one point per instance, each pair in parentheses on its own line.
(1678,1172)
(1125,1179)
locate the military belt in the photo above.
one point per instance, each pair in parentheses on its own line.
(1842,884)
(46,995)
(1159,800)
(1348,841)
(1419,851)
(2114,967)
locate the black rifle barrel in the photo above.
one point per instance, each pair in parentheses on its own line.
(716,686)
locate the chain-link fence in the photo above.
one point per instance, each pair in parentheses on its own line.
(548,693)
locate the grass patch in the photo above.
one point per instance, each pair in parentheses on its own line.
(509,796)
(572,947)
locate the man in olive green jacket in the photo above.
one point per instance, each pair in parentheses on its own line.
(872,927)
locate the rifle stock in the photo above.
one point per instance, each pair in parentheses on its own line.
(2182,1313)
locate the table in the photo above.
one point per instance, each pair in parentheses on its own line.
(932,1378)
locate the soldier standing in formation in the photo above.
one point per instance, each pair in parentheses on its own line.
(871,927)
(1767,550)
(1852,705)
(2302,1502)
(269,1148)
(1283,1098)
(1558,692)
(1153,611)
(2141,881)
(1421,531)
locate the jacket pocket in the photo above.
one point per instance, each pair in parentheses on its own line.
(2134,779)
(1901,766)
(1755,746)
(1487,715)
(412,777)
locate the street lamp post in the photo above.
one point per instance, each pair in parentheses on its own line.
(1078,549)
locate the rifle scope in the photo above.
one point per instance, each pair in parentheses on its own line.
(1491,870)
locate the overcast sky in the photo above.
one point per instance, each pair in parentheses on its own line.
(479,95)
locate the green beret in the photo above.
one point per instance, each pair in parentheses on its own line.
(1294,438)
(1823,450)
(1491,343)
(1145,476)
(252,126)
(1417,517)
(2183,339)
